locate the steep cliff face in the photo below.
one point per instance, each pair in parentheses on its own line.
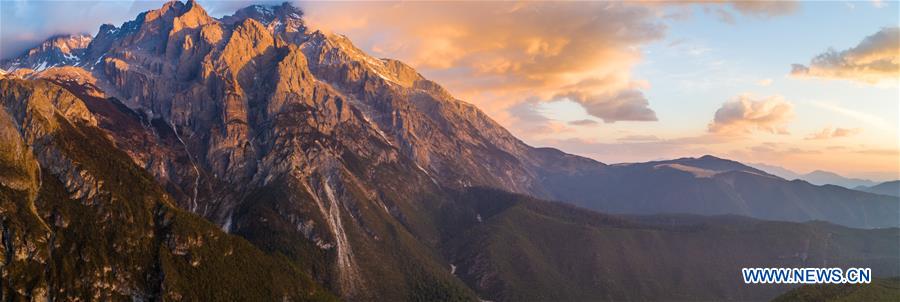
(79,220)
(192,71)
(233,115)
(450,139)
(212,78)
(284,21)
(296,140)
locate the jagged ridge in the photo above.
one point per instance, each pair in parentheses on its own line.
(306,146)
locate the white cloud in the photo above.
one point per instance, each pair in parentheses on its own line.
(745,114)
(875,60)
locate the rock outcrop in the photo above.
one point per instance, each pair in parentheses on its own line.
(298,141)
(235,103)
(79,221)
(56,51)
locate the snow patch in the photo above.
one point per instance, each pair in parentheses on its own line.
(265,10)
(41,67)
(71,57)
(98,61)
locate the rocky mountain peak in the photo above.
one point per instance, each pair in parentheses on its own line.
(191,16)
(210,80)
(55,51)
(356,168)
(283,20)
(265,14)
(174,9)
(153,31)
(66,44)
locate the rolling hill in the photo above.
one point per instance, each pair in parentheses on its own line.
(880,290)
(515,248)
(889,188)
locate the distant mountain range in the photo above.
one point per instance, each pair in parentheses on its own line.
(817,177)
(890,188)
(251,158)
(713,186)
(511,248)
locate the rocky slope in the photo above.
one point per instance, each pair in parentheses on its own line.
(230,118)
(221,84)
(80,221)
(56,51)
(341,163)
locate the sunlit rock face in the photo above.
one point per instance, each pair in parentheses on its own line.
(222,110)
(309,148)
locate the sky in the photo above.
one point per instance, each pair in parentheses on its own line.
(801,85)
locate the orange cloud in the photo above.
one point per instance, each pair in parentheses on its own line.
(744,114)
(498,54)
(765,9)
(876,59)
(829,132)
(726,10)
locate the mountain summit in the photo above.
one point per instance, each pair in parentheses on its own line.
(55,51)
(364,176)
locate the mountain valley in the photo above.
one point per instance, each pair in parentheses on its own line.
(252,158)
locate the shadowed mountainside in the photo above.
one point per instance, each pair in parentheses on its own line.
(81,221)
(880,290)
(345,169)
(889,188)
(511,247)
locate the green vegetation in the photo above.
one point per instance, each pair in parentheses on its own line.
(130,241)
(394,264)
(531,250)
(880,290)
(127,241)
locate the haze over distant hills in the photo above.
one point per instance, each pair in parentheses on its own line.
(891,188)
(817,177)
(251,158)
(713,186)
